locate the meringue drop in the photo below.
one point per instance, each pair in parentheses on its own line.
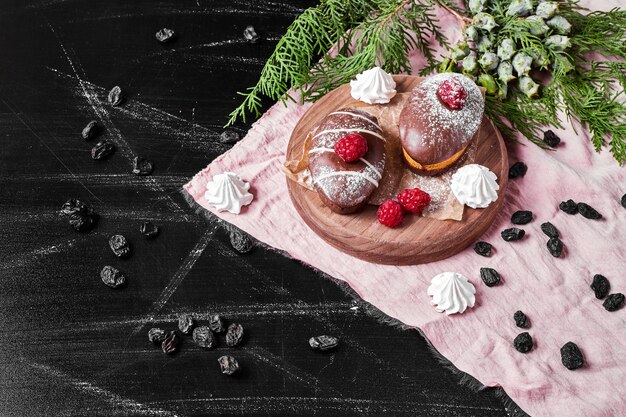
(373,86)
(452,293)
(228,192)
(475,186)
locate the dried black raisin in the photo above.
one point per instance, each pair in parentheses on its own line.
(523,342)
(555,246)
(323,343)
(522,217)
(116,96)
(141,166)
(75,206)
(228,365)
(614,301)
(489,276)
(203,336)
(250,35)
(569,206)
(216,324)
(521,320)
(549,229)
(240,241)
(81,222)
(119,245)
(600,286)
(156,335)
(623,201)
(112,277)
(588,212)
(571,356)
(165,35)
(90,131)
(102,150)
(234,335)
(229,136)
(185,323)
(512,234)
(170,343)
(518,169)
(551,139)
(483,249)
(149,230)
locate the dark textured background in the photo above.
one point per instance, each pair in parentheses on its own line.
(71,346)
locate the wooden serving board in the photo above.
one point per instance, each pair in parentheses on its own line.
(419,239)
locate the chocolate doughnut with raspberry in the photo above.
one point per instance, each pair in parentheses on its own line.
(345,187)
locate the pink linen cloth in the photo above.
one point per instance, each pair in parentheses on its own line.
(553,292)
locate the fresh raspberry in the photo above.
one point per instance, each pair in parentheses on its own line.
(390,214)
(414,200)
(452,93)
(351,147)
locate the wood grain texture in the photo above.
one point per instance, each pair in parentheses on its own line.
(71,346)
(419,239)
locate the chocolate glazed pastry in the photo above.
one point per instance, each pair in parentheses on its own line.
(438,122)
(342,186)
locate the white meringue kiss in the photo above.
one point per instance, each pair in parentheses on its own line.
(475,186)
(452,293)
(373,86)
(228,192)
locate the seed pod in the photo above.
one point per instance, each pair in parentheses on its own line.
(165,35)
(546,9)
(460,50)
(512,234)
(537,26)
(102,150)
(216,324)
(549,229)
(506,49)
(489,276)
(600,286)
(505,72)
(203,336)
(484,44)
(90,131)
(484,21)
(228,365)
(563,64)
(185,323)
(528,86)
(521,320)
(560,25)
(112,277)
(522,62)
(523,342)
(558,42)
(170,343)
(250,35)
(234,335)
(119,245)
(446,65)
(483,249)
(487,81)
(323,343)
(116,96)
(520,8)
(503,90)
(571,356)
(156,335)
(614,302)
(489,61)
(539,59)
(469,65)
(149,230)
(476,6)
(471,34)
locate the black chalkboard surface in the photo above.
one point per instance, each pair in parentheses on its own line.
(71,346)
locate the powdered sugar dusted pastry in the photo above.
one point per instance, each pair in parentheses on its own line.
(228,192)
(452,293)
(439,120)
(475,186)
(346,186)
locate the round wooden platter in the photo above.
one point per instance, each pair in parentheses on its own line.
(419,239)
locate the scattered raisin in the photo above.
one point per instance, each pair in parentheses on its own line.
(323,343)
(81,222)
(81,217)
(518,169)
(600,286)
(240,241)
(203,336)
(521,320)
(149,230)
(185,323)
(551,139)
(571,356)
(588,212)
(522,217)
(623,201)
(234,335)
(112,277)
(165,35)
(512,234)
(483,249)
(523,342)
(230,136)
(102,150)
(250,35)
(489,276)
(555,246)
(170,343)
(614,301)
(569,206)
(119,245)
(74,206)
(90,131)
(216,324)
(228,365)
(549,229)
(115,96)
(156,335)
(141,166)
